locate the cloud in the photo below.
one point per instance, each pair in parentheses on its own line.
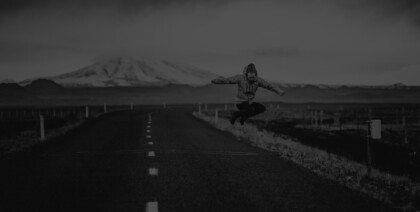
(75,7)
(318,41)
(276,52)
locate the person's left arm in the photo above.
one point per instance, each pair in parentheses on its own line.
(264,84)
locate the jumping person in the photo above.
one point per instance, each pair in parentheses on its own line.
(248,84)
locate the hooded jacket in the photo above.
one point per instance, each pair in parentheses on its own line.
(246,88)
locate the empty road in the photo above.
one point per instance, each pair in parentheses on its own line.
(165,161)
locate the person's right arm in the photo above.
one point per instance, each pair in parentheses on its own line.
(228,80)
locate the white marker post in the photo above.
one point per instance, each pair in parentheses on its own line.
(216,116)
(104,107)
(199,108)
(375,133)
(87,112)
(131,106)
(405,130)
(205,108)
(42,128)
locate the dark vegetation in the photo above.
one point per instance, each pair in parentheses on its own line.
(396,152)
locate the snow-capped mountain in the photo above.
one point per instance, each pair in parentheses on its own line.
(124,71)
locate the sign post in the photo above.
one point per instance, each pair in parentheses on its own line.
(373,132)
(42,128)
(216,116)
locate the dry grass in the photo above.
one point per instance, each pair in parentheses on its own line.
(398,191)
(29,138)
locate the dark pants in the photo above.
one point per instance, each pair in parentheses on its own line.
(247,110)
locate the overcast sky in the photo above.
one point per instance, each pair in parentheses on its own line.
(297,41)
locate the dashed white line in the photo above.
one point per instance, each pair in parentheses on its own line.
(148,136)
(153,171)
(148,131)
(151,154)
(150,143)
(148,126)
(152,207)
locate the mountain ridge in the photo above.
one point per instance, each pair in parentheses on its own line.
(124,71)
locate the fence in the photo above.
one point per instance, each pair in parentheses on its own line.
(400,123)
(18,122)
(343,129)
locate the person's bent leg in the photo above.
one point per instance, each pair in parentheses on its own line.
(242,111)
(258,108)
(255,109)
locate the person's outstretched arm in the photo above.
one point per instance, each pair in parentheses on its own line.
(270,87)
(228,80)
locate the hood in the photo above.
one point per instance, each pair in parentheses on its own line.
(249,68)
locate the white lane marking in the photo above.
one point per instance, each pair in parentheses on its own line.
(148,136)
(150,143)
(148,126)
(152,207)
(153,171)
(148,131)
(151,154)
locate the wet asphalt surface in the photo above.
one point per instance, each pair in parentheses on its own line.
(122,162)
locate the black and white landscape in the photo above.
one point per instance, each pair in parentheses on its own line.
(109,105)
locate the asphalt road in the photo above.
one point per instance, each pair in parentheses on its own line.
(123,162)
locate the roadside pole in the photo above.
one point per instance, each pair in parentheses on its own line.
(216,116)
(42,128)
(373,133)
(86,112)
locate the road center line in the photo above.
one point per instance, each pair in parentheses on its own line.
(150,143)
(152,207)
(148,136)
(153,171)
(151,154)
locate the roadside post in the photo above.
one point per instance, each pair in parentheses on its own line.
(373,132)
(87,112)
(405,130)
(42,128)
(105,108)
(216,116)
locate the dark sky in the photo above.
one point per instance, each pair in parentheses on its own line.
(301,41)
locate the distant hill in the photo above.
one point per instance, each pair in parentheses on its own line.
(43,86)
(127,72)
